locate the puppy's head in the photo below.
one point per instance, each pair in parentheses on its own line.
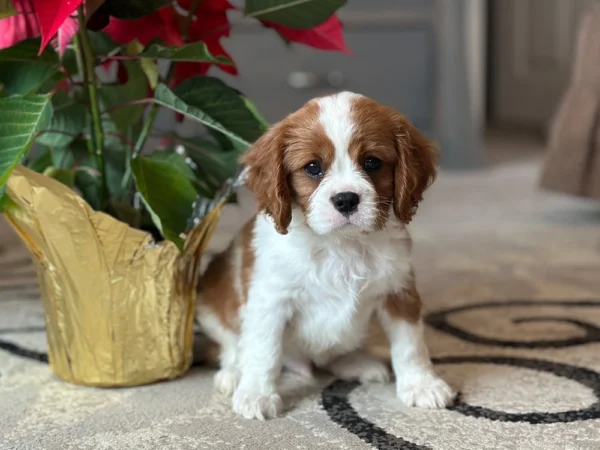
(345,161)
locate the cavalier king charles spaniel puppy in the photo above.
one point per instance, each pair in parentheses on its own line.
(336,184)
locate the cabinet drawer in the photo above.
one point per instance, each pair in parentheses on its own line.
(384,4)
(393,65)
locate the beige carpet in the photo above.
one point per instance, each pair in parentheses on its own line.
(511,278)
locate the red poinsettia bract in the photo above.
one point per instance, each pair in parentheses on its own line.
(326,36)
(54,20)
(209,25)
(52,15)
(50,19)
(19,27)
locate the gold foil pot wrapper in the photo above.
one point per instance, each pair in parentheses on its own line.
(119,307)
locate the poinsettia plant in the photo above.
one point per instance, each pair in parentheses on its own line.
(95,133)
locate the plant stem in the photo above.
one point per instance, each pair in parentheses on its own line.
(154,110)
(81,70)
(149,123)
(87,57)
(190,18)
(145,133)
(141,101)
(118,57)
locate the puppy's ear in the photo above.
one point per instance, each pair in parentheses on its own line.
(415,167)
(267,176)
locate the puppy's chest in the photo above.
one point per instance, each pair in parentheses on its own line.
(334,323)
(351,272)
(338,293)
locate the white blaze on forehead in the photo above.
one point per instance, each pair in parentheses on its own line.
(336,118)
(344,175)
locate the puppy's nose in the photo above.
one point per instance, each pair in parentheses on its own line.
(346,202)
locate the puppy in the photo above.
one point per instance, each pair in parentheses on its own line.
(336,183)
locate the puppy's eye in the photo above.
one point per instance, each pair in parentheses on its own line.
(313,169)
(372,164)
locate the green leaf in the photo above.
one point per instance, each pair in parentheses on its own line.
(3,198)
(25,77)
(115,157)
(28,51)
(49,84)
(67,123)
(89,187)
(174,159)
(150,69)
(115,160)
(65,176)
(223,104)
(112,133)
(213,165)
(228,145)
(7,9)
(63,157)
(125,213)
(163,96)
(148,65)
(102,43)
(69,61)
(298,14)
(223,142)
(115,95)
(41,161)
(196,52)
(217,166)
(23,72)
(202,185)
(167,194)
(132,9)
(20,119)
(261,119)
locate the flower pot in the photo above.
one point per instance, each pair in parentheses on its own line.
(118,307)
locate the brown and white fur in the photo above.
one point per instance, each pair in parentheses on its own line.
(301,282)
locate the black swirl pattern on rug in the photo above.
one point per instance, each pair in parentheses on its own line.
(581,375)
(334,399)
(18,350)
(23,352)
(591,332)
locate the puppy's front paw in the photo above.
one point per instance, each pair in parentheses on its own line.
(226,381)
(424,390)
(255,405)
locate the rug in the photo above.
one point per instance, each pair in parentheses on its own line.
(511,281)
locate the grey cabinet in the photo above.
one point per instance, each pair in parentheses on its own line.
(392,65)
(408,54)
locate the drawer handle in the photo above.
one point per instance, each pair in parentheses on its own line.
(307,80)
(302,80)
(335,79)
